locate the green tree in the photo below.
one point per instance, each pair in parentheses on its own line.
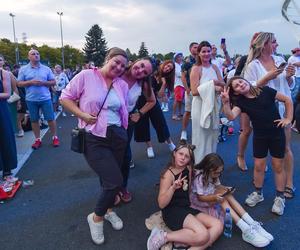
(95,47)
(169,56)
(143,52)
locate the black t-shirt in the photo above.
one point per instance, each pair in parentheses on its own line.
(186,67)
(262,110)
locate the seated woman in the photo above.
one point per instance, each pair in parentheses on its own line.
(190,227)
(210,197)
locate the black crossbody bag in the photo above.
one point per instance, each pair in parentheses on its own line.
(78,134)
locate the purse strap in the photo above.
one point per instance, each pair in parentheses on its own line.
(105,99)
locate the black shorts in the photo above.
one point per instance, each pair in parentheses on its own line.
(175,216)
(272,141)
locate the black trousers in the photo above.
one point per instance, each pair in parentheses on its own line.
(105,157)
(157,118)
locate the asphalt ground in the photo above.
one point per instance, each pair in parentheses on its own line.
(52,213)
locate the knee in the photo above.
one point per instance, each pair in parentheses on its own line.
(259,168)
(246,131)
(278,168)
(201,238)
(218,225)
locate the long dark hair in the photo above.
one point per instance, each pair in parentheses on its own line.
(200,46)
(208,164)
(145,81)
(170,76)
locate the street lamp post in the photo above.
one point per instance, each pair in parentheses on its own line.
(62,40)
(15,39)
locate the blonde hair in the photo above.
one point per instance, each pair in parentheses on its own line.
(258,45)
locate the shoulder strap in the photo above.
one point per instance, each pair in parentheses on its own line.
(105,98)
(171,172)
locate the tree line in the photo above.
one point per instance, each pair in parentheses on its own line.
(95,49)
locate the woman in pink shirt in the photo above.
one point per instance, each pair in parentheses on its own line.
(106,137)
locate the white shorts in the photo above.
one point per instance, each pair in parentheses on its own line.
(188,102)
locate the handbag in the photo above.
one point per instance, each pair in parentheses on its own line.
(78,134)
(13,98)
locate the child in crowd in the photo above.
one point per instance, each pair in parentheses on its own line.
(210,197)
(268,132)
(190,227)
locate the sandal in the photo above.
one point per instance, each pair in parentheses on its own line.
(289,193)
(241,164)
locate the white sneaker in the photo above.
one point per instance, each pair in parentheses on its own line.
(171,146)
(258,228)
(278,206)
(253,199)
(20,133)
(64,114)
(183,135)
(254,238)
(150,152)
(131,164)
(115,220)
(96,229)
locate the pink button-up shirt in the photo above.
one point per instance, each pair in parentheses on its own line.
(90,89)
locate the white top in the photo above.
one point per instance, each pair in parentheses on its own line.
(230,74)
(219,61)
(113,107)
(61,81)
(178,81)
(295,59)
(255,71)
(134,92)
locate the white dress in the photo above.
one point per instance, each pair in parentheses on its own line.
(205,139)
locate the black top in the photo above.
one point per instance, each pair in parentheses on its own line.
(262,110)
(186,67)
(180,197)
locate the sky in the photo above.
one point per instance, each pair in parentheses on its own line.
(164,25)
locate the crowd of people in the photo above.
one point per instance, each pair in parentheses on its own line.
(116,103)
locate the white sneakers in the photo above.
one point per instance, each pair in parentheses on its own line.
(150,152)
(171,146)
(258,228)
(278,206)
(183,135)
(114,219)
(254,237)
(96,228)
(253,199)
(20,133)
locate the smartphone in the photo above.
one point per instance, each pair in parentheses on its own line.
(223,40)
(282,65)
(229,190)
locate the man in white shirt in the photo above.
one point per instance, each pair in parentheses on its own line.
(295,60)
(219,61)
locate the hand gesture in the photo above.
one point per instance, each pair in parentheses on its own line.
(272,74)
(179,182)
(284,122)
(135,117)
(223,46)
(36,82)
(225,95)
(290,70)
(219,198)
(89,119)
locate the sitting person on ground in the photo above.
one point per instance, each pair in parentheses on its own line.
(188,225)
(210,197)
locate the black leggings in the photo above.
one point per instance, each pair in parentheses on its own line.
(105,156)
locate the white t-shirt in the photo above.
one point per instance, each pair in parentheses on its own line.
(133,94)
(230,74)
(255,71)
(219,61)
(61,81)
(295,59)
(178,81)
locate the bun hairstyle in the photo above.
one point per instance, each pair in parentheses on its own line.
(115,51)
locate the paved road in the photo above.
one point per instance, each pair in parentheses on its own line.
(52,213)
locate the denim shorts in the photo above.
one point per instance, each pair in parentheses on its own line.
(34,110)
(55,96)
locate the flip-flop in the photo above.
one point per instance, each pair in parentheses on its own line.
(289,193)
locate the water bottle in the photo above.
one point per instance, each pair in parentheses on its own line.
(228,224)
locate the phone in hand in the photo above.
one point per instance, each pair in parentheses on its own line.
(282,65)
(229,191)
(223,40)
